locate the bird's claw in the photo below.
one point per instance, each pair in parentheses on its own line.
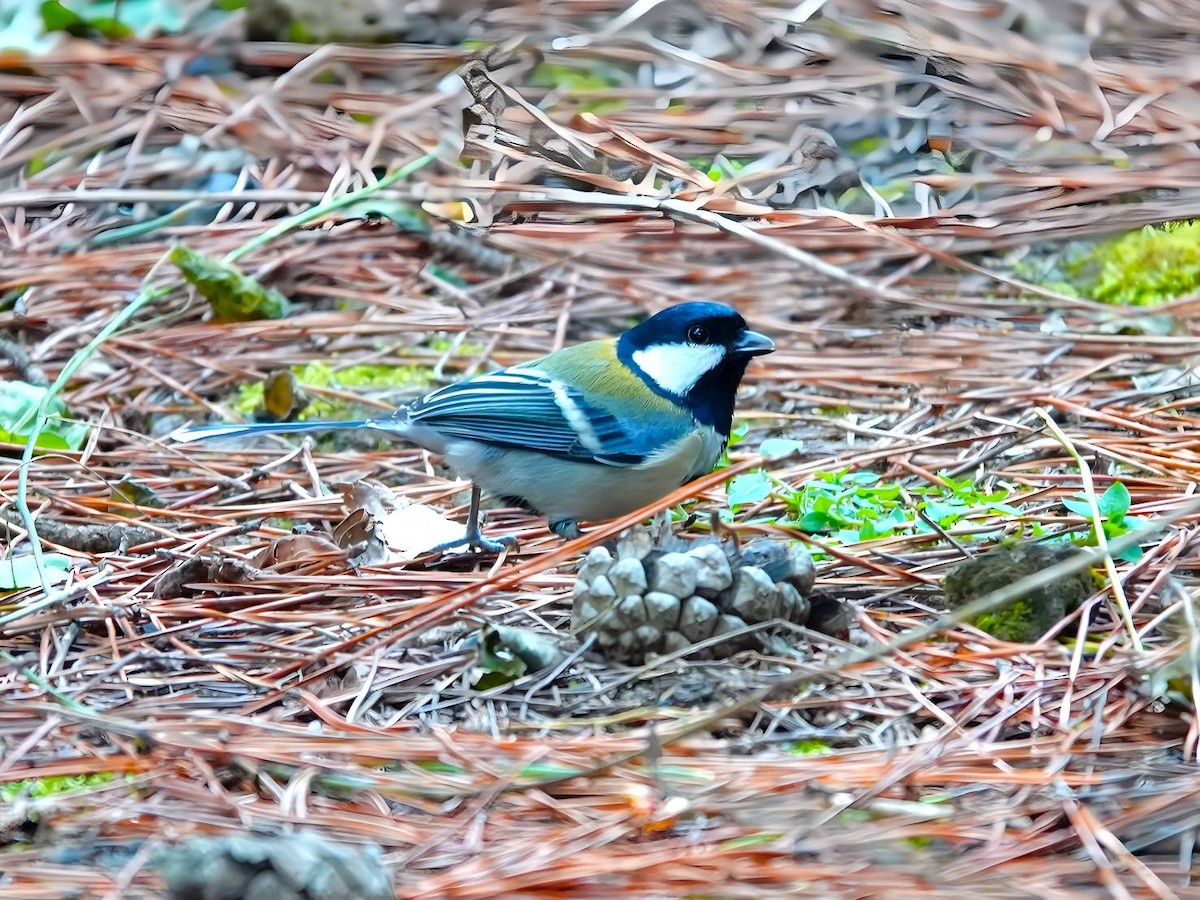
(476,541)
(566,529)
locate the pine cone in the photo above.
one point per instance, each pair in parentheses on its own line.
(298,866)
(649,600)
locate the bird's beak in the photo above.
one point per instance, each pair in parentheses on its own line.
(751,343)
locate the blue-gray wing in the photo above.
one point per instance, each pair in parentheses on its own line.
(529,410)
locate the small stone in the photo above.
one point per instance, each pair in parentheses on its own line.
(662,610)
(755,598)
(597,563)
(636,543)
(628,576)
(713,573)
(697,618)
(675,574)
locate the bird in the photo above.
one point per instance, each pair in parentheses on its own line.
(589,432)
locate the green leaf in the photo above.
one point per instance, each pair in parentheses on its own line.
(862,477)
(21,572)
(441,768)
(235,297)
(123,18)
(515,651)
(56,17)
(18,411)
(489,680)
(113,29)
(881,493)
(751,487)
(22,28)
(441,273)
(1114,503)
(738,433)
(506,653)
(946,513)
(814,522)
(1079,507)
(778,448)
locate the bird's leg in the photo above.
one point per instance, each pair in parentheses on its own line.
(474,538)
(567,529)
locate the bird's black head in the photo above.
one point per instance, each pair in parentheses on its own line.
(694,353)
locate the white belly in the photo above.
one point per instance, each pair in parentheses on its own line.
(565,490)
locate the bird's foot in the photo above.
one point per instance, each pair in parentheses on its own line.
(474,540)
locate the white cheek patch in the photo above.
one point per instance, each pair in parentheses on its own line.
(677,367)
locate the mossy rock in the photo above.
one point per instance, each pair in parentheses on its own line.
(1026,618)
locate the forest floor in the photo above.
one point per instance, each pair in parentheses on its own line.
(906,196)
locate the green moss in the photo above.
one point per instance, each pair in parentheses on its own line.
(53,784)
(582,82)
(867,145)
(444,343)
(1016,623)
(361,378)
(1148,267)
(298,33)
(808,747)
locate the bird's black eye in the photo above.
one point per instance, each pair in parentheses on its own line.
(698,334)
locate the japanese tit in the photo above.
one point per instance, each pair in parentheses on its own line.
(589,432)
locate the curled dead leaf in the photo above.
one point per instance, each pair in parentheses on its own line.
(178,580)
(301,553)
(383,528)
